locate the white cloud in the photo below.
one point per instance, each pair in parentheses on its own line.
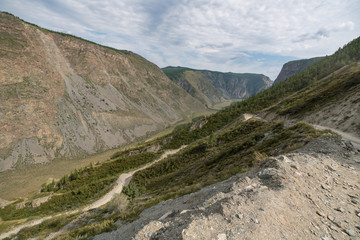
(224,35)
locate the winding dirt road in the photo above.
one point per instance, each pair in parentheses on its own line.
(125,178)
(122,181)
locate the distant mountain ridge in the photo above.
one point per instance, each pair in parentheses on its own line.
(265,148)
(293,67)
(62,96)
(211,87)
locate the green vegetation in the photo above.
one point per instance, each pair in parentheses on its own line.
(131,191)
(223,105)
(213,159)
(222,147)
(305,80)
(84,227)
(330,89)
(87,231)
(80,187)
(175,72)
(294,67)
(45,228)
(203,163)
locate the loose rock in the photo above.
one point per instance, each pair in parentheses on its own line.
(350,232)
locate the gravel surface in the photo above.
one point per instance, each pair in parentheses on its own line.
(313,193)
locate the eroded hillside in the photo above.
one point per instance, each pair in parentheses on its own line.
(66,97)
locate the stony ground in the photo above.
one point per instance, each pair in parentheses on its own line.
(313,193)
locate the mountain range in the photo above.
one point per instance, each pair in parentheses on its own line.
(283,163)
(66,97)
(211,87)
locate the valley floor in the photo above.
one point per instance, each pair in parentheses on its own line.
(312,193)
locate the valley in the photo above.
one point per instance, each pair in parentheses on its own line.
(217,90)
(69,98)
(26,181)
(132,151)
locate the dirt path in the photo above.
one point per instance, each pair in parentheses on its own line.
(302,195)
(346,136)
(123,180)
(16,229)
(120,183)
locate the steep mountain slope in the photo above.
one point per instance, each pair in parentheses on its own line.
(264,204)
(333,101)
(211,87)
(291,68)
(62,96)
(286,172)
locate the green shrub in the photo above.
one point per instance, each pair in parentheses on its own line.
(131,191)
(80,187)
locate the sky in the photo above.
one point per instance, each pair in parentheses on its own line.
(256,36)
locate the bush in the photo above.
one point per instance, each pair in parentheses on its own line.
(131,191)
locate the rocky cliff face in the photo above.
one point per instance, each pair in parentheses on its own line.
(62,96)
(215,87)
(294,67)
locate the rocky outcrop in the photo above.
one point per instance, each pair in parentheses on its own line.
(294,67)
(33,203)
(62,96)
(211,87)
(312,193)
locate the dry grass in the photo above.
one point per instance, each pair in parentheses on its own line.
(8,225)
(118,204)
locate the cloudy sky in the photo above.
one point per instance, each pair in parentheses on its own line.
(225,35)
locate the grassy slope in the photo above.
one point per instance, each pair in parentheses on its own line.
(196,84)
(215,158)
(207,160)
(80,187)
(220,149)
(308,79)
(328,90)
(304,81)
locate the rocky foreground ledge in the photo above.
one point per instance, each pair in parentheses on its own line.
(313,193)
